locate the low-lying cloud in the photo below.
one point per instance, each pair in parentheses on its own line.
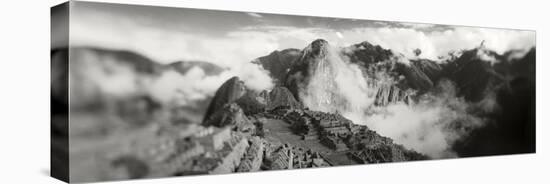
(440,43)
(234,52)
(335,86)
(236,48)
(431,124)
(94,74)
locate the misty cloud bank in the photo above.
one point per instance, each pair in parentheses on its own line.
(330,89)
(170,43)
(97,74)
(196,85)
(430,125)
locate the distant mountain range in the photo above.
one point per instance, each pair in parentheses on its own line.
(471,73)
(475,72)
(270,128)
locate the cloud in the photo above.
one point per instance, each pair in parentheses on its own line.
(233,51)
(249,42)
(254,77)
(424,127)
(339,35)
(336,85)
(419,26)
(485,56)
(430,126)
(94,75)
(256,15)
(173,87)
(91,74)
(404,40)
(439,43)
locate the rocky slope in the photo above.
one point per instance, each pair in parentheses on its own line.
(278,63)
(473,73)
(512,83)
(387,94)
(229,92)
(375,58)
(302,68)
(295,67)
(364,145)
(281,96)
(430,68)
(497,85)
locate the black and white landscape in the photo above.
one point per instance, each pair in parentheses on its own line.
(157,91)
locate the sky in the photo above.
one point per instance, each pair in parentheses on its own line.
(227,37)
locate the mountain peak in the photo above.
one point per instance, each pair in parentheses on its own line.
(281,96)
(319,42)
(317,48)
(229,91)
(278,63)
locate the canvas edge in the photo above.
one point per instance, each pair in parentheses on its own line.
(59,111)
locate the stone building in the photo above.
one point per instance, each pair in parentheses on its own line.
(282,158)
(339,130)
(213,137)
(376,154)
(166,156)
(253,157)
(307,159)
(303,126)
(186,149)
(232,154)
(366,138)
(311,134)
(279,112)
(334,142)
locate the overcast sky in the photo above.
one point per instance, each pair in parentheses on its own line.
(223,37)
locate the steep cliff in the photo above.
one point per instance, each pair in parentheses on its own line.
(228,92)
(281,96)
